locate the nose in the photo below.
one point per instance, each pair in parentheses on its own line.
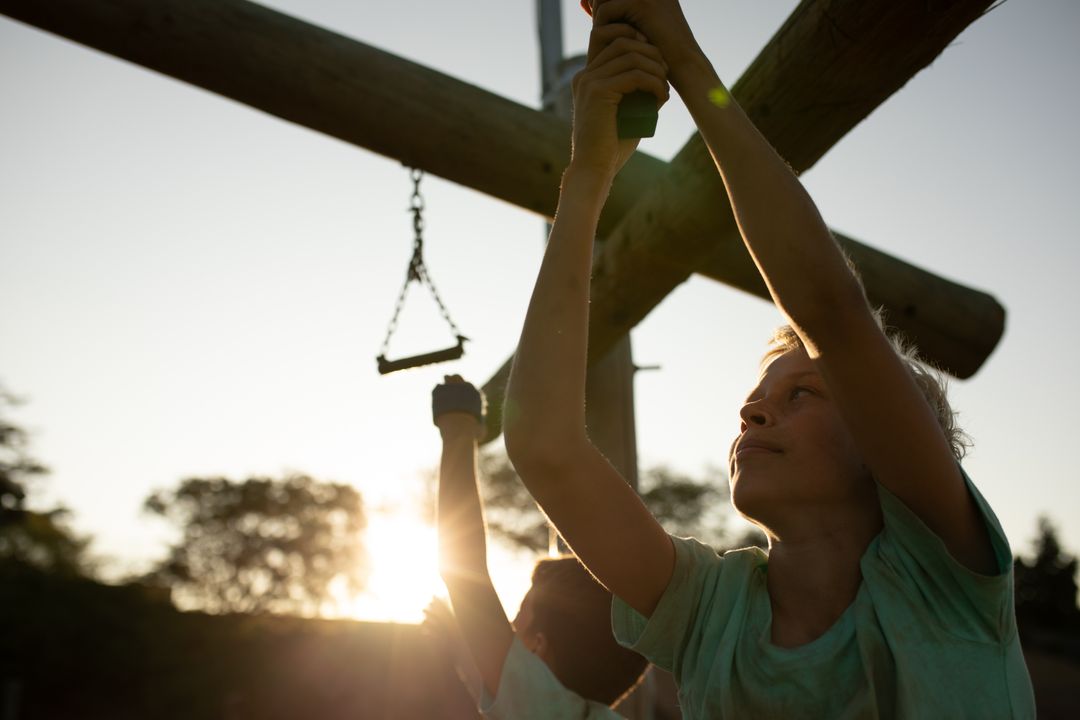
(757,414)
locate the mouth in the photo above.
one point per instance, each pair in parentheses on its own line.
(754,446)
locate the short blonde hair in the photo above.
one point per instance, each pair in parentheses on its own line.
(930,380)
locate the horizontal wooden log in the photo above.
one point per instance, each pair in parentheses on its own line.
(955,327)
(341,87)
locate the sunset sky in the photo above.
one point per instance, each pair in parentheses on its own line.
(192,287)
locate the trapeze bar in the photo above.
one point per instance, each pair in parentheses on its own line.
(451,353)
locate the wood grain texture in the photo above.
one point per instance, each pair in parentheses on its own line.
(828,67)
(341,87)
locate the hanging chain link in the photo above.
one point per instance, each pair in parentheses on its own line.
(417,271)
(416,207)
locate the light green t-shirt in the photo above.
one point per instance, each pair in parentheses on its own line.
(924,638)
(528,690)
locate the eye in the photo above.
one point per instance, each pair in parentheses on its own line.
(799,391)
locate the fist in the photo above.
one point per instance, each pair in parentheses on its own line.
(455,400)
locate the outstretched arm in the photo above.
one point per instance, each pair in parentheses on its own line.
(594,509)
(810,282)
(462,545)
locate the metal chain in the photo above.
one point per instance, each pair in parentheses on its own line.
(393,320)
(416,207)
(438,301)
(417,271)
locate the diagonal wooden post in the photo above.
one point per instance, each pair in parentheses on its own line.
(803,104)
(878,53)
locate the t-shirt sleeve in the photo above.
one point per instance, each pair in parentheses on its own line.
(528,690)
(968,604)
(669,635)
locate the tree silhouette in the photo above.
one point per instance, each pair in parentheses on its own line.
(262,545)
(40,538)
(1046,584)
(684,505)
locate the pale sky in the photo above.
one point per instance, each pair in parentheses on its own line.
(192,287)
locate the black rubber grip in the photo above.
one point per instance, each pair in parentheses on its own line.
(457,397)
(637,114)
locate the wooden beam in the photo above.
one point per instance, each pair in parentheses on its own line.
(341,87)
(826,69)
(956,327)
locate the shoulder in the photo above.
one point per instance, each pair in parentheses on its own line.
(745,560)
(705,592)
(702,572)
(528,690)
(906,530)
(909,566)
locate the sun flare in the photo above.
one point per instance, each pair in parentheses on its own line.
(403,552)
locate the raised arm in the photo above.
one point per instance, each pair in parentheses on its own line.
(811,283)
(595,510)
(462,544)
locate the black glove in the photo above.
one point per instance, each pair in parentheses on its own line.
(458,397)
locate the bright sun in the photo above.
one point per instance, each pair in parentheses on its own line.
(404,570)
(404,576)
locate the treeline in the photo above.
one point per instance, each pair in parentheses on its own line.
(257,560)
(295,545)
(74,648)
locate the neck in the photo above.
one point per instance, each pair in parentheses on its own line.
(814,575)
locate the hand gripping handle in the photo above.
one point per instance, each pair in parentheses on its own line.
(457,397)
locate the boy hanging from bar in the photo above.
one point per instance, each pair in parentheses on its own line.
(887,588)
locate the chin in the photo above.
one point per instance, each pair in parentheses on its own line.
(750,497)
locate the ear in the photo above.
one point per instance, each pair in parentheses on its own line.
(542,649)
(533,641)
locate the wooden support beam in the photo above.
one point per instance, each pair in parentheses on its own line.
(954,326)
(824,71)
(827,68)
(341,87)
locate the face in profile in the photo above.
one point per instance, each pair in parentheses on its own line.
(524,624)
(793,453)
(523,621)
